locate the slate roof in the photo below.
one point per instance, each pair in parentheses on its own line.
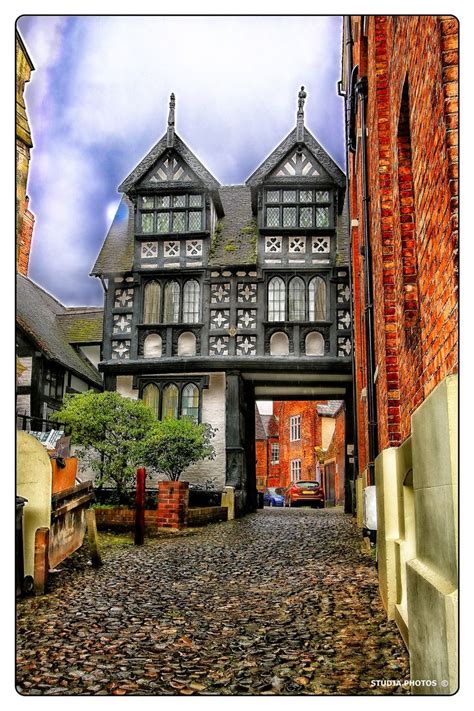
(331,409)
(116,254)
(235,240)
(259,428)
(158,149)
(39,314)
(83,325)
(271,425)
(284,147)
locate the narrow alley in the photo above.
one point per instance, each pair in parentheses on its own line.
(279,602)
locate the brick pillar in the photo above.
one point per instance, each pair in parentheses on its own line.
(173,499)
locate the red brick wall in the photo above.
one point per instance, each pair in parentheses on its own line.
(302,449)
(122,517)
(24,243)
(261,466)
(336,451)
(412,166)
(173,499)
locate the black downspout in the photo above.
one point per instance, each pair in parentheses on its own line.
(361,89)
(347,105)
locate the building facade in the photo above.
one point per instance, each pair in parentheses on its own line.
(401,92)
(216,295)
(24,144)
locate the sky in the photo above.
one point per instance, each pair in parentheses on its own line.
(98,101)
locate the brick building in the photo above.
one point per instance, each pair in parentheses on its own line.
(267,451)
(400,86)
(24,218)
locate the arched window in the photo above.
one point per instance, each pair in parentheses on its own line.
(152,303)
(314,344)
(187,344)
(276,299)
(317,299)
(296,300)
(170,402)
(190,402)
(191,302)
(151,398)
(279,344)
(152,346)
(171,310)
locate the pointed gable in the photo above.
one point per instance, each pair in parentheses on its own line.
(292,159)
(169,165)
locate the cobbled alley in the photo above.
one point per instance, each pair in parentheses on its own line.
(280,602)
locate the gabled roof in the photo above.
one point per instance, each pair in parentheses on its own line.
(235,239)
(39,315)
(290,142)
(116,254)
(331,409)
(83,325)
(154,155)
(271,425)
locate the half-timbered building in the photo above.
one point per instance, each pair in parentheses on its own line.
(216,296)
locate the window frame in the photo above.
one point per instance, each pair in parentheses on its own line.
(295,428)
(282,204)
(162,382)
(156,210)
(295,470)
(274,447)
(163,282)
(307,278)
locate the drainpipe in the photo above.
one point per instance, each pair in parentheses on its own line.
(361,91)
(348,99)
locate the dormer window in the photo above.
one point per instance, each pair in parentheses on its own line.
(292,208)
(165,214)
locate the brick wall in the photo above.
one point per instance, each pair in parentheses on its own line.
(173,499)
(302,449)
(336,453)
(411,66)
(122,518)
(261,467)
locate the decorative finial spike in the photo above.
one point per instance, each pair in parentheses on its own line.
(300,116)
(170,134)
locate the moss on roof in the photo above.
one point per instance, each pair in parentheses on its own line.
(83,327)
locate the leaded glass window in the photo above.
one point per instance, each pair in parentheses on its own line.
(171,213)
(195,200)
(289,217)
(152,302)
(163,222)
(191,302)
(147,222)
(170,402)
(317,299)
(179,200)
(194,221)
(190,402)
(171,305)
(306,217)
(179,222)
(276,299)
(163,201)
(273,216)
(290,208)
(322,217)
(151,398)
(296,299)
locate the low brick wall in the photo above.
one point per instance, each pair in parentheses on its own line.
(173,500)
(206,514)
(122,518)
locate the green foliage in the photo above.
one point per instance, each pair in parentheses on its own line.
(230,247)
(215,238)
(111,430)
(176,444)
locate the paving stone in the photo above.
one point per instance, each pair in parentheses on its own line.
(281,602)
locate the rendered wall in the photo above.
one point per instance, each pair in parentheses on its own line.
(417,501)
(33,481)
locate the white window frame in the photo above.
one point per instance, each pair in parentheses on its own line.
(295,469)
(295,428)
(275,453)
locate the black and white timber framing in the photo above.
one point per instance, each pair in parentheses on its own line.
(241,292)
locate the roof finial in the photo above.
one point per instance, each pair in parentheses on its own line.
(170,134)
(300,116)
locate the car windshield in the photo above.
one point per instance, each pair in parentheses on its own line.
(308,484)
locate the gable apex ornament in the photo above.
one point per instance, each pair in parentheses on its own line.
(300,116)
(170,132)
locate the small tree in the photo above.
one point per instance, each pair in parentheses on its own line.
(110,430)
(176,444)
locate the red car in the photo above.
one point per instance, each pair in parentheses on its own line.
(305,493)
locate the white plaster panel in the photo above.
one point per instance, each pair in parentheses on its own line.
(25,377)
(124,386)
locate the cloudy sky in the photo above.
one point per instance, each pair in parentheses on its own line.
(98,101)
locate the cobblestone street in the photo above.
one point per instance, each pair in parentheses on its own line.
(280,602)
